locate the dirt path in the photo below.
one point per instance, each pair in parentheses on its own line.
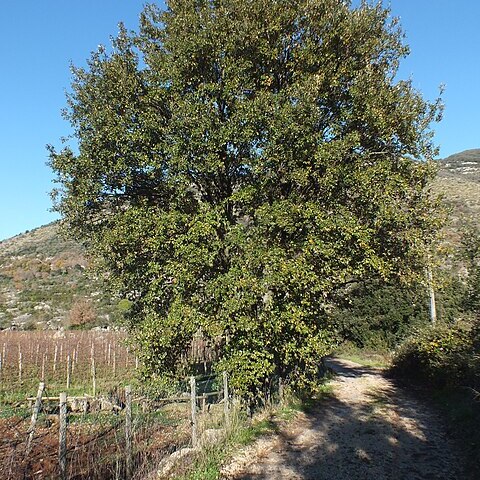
(369,429)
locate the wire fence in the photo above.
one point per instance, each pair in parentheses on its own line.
(119,436)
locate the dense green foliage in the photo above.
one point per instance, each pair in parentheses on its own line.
(442,355)
(378,315)
(240,163)
(471,256)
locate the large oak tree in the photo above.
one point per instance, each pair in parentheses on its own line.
(240,163)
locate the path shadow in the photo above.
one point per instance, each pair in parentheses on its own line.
(344,368)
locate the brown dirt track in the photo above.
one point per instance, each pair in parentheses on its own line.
(369,429)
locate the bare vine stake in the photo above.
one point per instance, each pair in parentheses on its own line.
(193,403)
(118,468)
(68,371)
(94,378)
(36,355)
(72,363)
(19,364)
(3,359)
(226,406)
(33,422)
(43,367)
(55,358)
(128,431)
(62,445)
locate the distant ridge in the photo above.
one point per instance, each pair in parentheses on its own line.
(464,164)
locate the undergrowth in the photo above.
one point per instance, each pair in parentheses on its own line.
(243,431)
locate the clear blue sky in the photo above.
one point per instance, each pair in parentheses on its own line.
(39,39)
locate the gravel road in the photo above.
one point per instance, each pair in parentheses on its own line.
(369,429)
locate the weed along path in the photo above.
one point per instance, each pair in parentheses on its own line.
(368,429)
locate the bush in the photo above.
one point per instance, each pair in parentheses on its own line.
(82,314)
(441,355)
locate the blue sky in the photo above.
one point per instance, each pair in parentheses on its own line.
(39,40)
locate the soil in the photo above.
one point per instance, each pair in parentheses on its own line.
(369,428)
(93,449)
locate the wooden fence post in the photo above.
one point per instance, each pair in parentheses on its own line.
(193,403)
(128,431)
(33,422)
(62,444)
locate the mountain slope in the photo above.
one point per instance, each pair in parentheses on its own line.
(458,181)
(464,165)
(44,283)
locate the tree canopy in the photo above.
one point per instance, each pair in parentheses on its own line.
(239,164)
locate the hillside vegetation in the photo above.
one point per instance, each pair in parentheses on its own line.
(44,283)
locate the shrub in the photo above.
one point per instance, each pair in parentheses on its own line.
(443,355)
(82,314)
